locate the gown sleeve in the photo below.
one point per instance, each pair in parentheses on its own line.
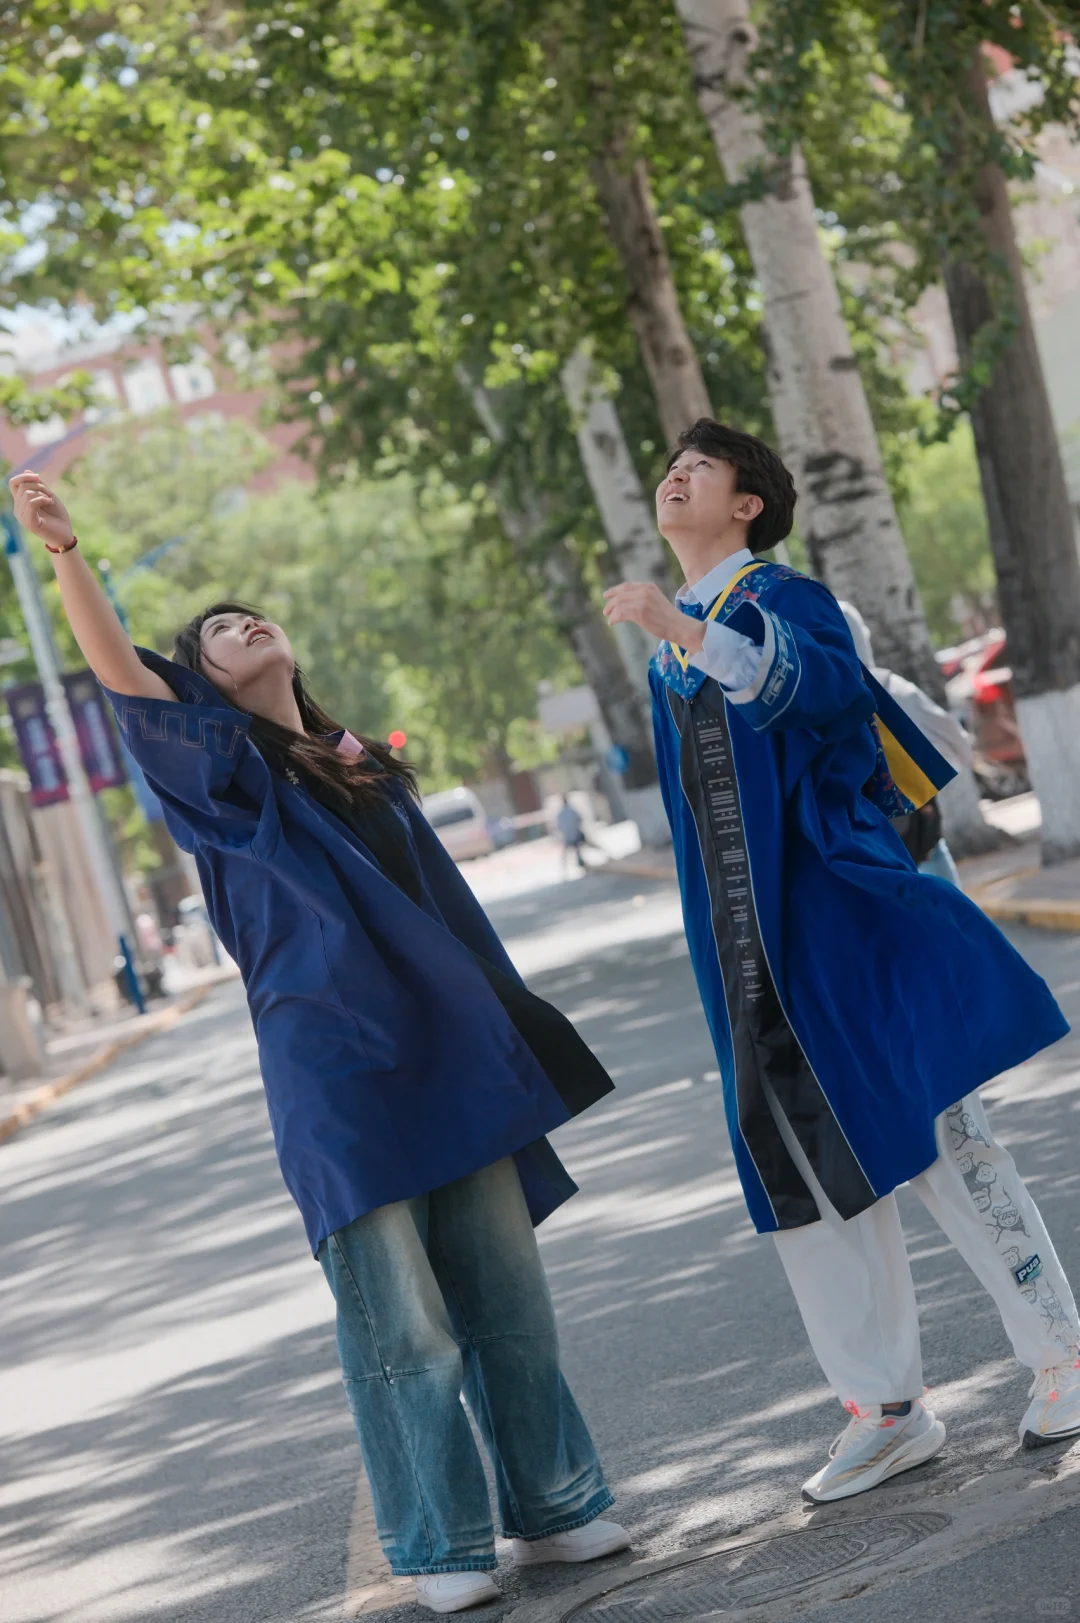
(728,657)
(809,676)
(197,757)
(667,760)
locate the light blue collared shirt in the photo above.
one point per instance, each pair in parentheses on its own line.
(727,656)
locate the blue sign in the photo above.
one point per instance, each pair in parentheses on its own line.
(100,746)
(96,732)
(617,759)
(37,744)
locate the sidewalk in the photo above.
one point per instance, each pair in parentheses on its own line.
(75,1056)
(1009,885)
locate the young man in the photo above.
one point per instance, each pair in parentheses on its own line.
(856,1005)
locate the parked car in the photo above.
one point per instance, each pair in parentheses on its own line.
(978,682)
(458,819)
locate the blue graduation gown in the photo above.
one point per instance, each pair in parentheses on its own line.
(391,1064)
(866,996)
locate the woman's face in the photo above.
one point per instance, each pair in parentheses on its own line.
(241,652)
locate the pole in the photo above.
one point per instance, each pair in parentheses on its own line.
(63,724)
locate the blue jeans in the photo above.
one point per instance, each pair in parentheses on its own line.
(444,1295)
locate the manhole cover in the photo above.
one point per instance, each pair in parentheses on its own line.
(767,1570)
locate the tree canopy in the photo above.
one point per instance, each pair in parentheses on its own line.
(396,622)
(391,201)
(878,96)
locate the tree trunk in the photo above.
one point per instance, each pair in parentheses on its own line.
(627,515)
(499,765)
(623,704)
(653,304)
(600,660)
(846,512)
(1032,531)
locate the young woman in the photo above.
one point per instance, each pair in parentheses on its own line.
(410,1078)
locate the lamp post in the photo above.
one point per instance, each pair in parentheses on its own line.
(63,724)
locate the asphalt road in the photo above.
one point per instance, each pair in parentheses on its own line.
(174,1442)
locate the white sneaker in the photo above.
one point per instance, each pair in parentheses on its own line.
(871,1448)
(586,1543)
(455,1591)
(1054,1410)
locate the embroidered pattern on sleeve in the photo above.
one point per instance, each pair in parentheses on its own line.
(206,733)
(748,590)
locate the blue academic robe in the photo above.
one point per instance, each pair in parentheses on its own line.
(864,996)
(392,1062)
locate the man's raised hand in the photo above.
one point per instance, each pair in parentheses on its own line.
(644,604)
(38,509)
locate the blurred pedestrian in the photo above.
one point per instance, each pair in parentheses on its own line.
(856,1006)
(571,831)
(411,1080)
(922,831)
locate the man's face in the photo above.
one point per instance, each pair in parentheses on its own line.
(697,497)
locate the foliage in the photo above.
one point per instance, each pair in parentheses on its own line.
(944,523)
(341,170)
(21,404)
(882,98)
(395,201)
(395,620)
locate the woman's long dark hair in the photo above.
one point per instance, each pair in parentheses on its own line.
(346,779)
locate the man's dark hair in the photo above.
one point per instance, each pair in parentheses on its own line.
(758,472)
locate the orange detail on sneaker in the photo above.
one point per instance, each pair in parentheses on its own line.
(1054,1411)
(860,1457)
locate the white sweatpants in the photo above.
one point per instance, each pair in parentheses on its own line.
(852,1280)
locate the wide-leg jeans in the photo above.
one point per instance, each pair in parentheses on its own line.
(444,1296)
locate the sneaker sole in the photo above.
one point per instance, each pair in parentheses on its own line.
(1038,1439)
(569,1558)
(923,1449)
(465,1605)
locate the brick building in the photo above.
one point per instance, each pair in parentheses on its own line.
(131,377)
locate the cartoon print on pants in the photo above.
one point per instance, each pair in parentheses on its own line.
(1005,1220)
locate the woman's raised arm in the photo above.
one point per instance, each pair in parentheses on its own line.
(106,646)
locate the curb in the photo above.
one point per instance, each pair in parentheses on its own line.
(48,1094)
(639,869)
(1038,913)
(1041,915)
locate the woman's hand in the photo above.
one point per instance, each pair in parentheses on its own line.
(38,509)
(105,644)
(644,605)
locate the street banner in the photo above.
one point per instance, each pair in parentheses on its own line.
(99,745)
(37,744)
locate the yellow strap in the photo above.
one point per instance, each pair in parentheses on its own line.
(680,653)
(907,775)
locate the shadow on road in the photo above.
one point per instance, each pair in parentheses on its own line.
(177,1444)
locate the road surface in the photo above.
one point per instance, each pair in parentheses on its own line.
(174,1442)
